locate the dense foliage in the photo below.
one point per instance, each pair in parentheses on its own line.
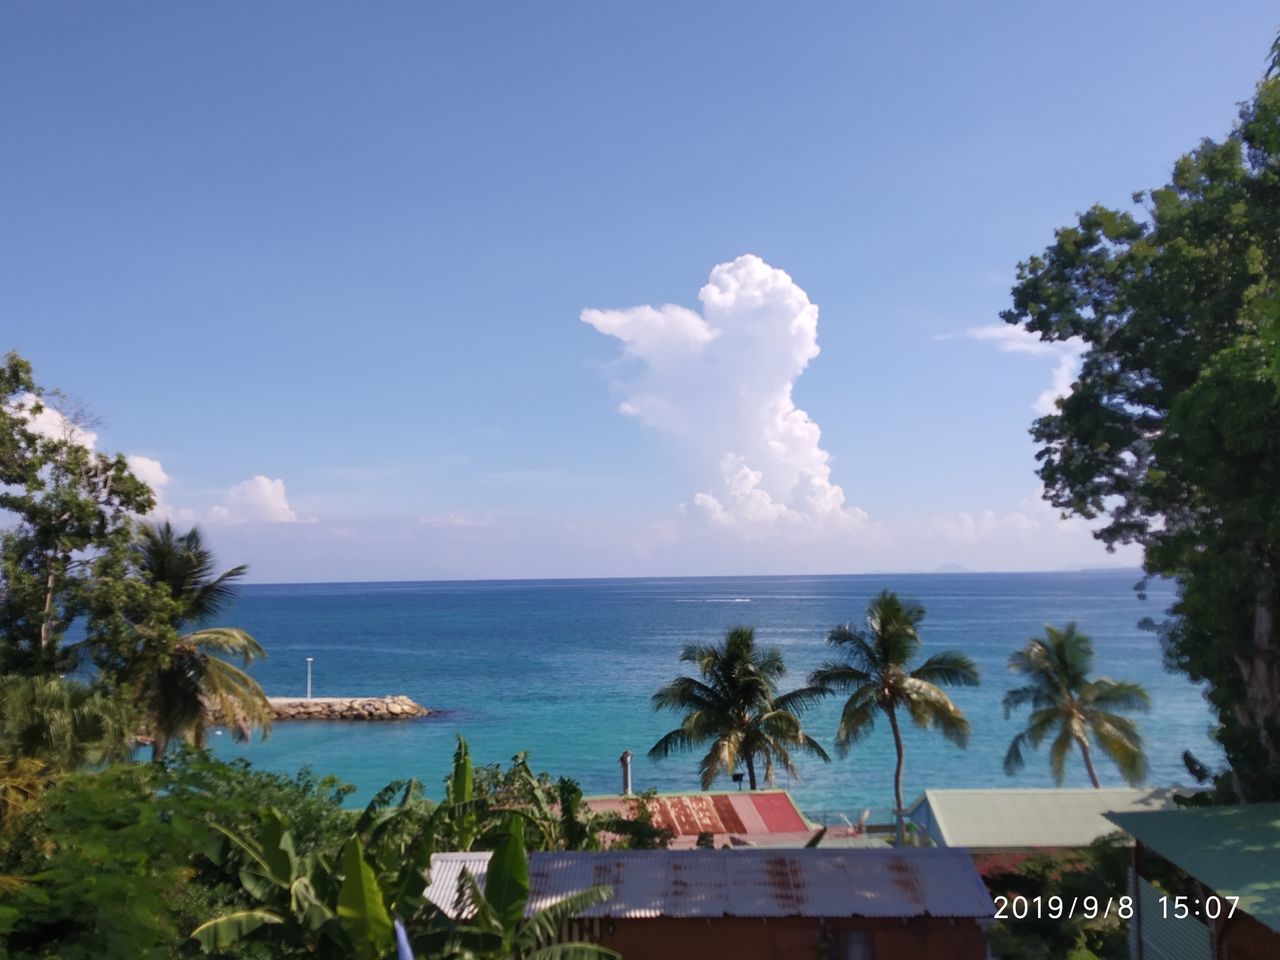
(1171,433)
(101,857)
(71,511)
(127,861)
(1097,872)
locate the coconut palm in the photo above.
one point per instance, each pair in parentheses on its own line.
(186,566)
(1062,698)
(62,724)
(876,672)
(188,684)
(735,707)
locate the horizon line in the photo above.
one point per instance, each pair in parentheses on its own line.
(713,576)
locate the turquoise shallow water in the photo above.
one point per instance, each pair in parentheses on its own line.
(565,669)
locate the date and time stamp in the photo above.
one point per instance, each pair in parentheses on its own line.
(1101,908)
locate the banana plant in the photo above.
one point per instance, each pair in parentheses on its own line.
(332,910)
(494,925)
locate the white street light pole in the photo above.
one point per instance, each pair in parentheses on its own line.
(309,659)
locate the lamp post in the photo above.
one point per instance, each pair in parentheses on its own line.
(309,659)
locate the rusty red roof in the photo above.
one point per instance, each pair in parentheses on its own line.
(909,882)
(720,814)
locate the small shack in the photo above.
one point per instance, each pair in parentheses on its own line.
(909,904)
(1226,904)
(1002,827)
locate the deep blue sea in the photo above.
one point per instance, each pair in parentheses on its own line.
(565,669)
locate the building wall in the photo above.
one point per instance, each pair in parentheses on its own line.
(1244,938)
(664,938)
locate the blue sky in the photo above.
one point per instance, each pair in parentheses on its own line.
(323,268)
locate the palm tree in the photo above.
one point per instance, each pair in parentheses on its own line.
(876,673)
(735,707)
(185,565)
(62,724)
(1063,698)
(190,684)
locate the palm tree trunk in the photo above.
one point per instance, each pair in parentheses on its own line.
(898,811)
(1088,763)
(751,770)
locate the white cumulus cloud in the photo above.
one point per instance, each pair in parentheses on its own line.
(53,423)
(257,500)
(721,382)
(152,473)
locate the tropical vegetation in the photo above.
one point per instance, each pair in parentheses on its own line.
(877,674)
(734,709)
(179,679)
(1075,709)
(1170,434)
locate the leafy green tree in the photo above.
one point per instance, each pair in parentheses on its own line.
(1171,432)
(1099,871)
(70,506)
(126,861)
(1064,700)
(877,674)
(104,863)
(734,708)
(178,676)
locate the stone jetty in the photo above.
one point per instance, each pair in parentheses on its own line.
(397,707)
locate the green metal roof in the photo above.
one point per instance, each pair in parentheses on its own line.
(1235,851)
(1017,819)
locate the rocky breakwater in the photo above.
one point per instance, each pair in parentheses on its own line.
(397,707)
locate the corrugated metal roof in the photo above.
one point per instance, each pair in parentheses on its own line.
(740,813)
(743,883)
(1235,851)
(1018,819)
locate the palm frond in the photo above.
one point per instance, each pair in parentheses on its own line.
(686,693)
(1013,758)
(1111,694)
(574,951)
(227,640)
(546,923)
(801,699)
(675,741)
(839,677)
(857,719)
(930,708)
(948,668)
(1058,751)
(856,647)
(1119,739)
(1022,696)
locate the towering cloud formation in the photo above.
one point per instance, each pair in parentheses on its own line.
(720,382)
(1011,339)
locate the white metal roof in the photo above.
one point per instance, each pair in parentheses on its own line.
(742,883)
(1016,819)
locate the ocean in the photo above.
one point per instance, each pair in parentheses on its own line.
(564,670)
